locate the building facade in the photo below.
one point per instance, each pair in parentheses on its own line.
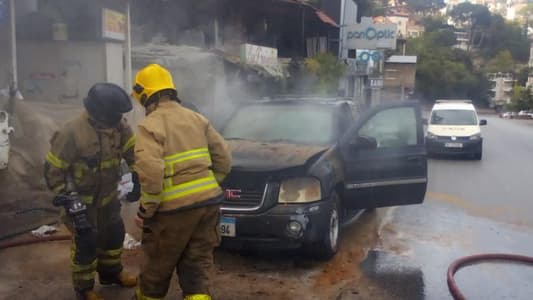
(501,88)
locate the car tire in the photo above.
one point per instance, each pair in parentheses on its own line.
(328,245)
(478,156)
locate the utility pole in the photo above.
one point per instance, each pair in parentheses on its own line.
(341,29)
(13,87)
(128,76)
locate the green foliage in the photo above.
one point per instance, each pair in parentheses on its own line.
(327,70)
(433,23)
(490,32)
(503,62)
(522,75)
(444,72)
(502,36)
(522,98)
(526,12)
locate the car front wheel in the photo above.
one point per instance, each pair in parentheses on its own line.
(329,244)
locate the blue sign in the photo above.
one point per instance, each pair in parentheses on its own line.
(366,56)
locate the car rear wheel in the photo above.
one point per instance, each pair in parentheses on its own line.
(329,244)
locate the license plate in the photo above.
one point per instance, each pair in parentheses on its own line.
(453,145)
(227,227)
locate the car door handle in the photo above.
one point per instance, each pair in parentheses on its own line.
(413,158)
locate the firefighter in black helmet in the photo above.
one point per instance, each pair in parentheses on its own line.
(85,159)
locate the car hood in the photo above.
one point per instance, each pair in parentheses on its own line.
(271,156)
(450,130)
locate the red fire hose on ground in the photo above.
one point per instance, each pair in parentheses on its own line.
(474,259)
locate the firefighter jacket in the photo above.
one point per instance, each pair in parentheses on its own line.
(180,159)
(89,159)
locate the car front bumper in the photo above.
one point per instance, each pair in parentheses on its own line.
(442,146)
(272,228)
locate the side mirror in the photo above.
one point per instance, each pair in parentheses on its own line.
(425,121)
(482,122)
(365,143)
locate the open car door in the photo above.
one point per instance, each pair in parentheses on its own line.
(385,157)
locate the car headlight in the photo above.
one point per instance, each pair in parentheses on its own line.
(300,190)
(430,135)
(475,137)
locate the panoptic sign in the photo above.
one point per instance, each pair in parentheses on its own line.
(369,35)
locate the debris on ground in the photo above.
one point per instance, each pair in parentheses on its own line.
(130,242)
(44,231)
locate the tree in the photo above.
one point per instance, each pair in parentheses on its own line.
(327,71)
(522,75)
(490,33)
(503,62)
(475,17)
(433,23)
(444,72)
(424,6)
(522,98)
(526,13)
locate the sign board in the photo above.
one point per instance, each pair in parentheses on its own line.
(370,35)
(258,55)
(376,82)
(113,25)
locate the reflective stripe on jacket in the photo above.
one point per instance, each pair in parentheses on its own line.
(180,159)
(91,157)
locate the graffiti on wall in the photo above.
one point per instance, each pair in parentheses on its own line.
(61,85)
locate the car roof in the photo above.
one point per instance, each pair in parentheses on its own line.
(454,105)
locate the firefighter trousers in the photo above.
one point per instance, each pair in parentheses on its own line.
(183,241)
(98,250)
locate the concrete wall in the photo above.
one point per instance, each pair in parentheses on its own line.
(115,63)
(64,71)
(398,75)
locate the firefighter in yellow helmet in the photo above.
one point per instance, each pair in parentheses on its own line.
(83,169)
(180,159)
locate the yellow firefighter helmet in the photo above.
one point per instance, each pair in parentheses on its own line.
(151,80)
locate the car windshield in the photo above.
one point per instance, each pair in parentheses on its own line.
(299,124)
(453,117)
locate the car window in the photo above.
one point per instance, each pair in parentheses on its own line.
(395,127)
(300,124)
(453,117)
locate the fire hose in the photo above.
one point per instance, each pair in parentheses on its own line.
(34,240)
(475,259)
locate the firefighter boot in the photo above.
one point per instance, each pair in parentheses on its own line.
(197,297)
(123,279)
(89,295)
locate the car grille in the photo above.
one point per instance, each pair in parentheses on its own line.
(458,138)
(247,188)
(246,198)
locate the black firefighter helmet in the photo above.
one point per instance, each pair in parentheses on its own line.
(106,103)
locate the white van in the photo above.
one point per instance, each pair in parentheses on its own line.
(454,128)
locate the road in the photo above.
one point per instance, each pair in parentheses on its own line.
(392,253)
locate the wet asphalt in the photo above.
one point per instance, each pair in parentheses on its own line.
(471,207)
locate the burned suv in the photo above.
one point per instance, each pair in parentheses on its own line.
(302,166)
